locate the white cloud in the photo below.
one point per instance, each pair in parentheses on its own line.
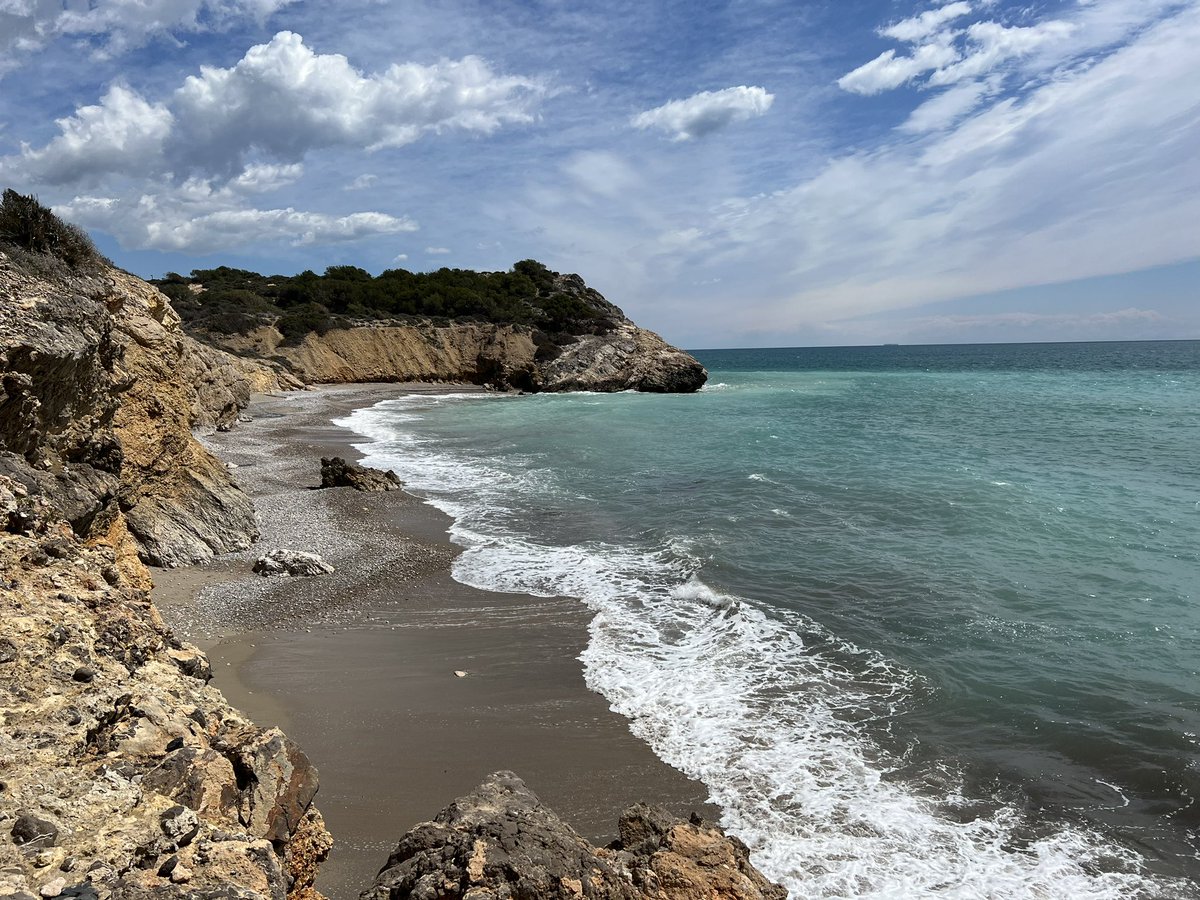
(706,112)
(437,251)
(124,133)
(260,178)
(887,71)
(116,25)
(281,100)
(362,182)
(189,161)
(400,257)
(284,100)
(992,44)
(944,109)
(197,220)
(927,23)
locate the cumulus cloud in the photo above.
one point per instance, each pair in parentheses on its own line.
(705,112)
(197,219)
(437,251)
(115,26)
(281,101)
(285,100)
(362,182)
(123,134)
(191,158)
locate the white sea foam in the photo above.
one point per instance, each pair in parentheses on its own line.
(766,707)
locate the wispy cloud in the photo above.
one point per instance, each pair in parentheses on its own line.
(115,26)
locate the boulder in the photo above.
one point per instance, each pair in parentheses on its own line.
(291,562)
(500,841)
(336,472)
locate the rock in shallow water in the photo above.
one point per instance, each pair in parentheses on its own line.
(292,562)
(501,842)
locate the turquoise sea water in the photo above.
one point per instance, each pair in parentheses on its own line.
(924,619)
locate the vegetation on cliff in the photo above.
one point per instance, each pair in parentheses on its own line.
(40,242)
(236,301)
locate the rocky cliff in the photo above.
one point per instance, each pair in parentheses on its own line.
(99,392)
(122,772)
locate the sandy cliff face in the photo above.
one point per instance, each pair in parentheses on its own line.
(99,391)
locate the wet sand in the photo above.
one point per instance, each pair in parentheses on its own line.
(359,666)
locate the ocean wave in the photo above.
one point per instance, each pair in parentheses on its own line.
(770,710)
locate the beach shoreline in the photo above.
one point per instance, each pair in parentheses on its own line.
(359,666)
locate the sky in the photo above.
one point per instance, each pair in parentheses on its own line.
(732,174)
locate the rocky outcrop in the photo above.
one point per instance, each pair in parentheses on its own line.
(627,358)
(122,772)
(501,842)
(336,472)
(99,392)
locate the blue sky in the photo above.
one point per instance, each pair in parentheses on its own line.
(746,173)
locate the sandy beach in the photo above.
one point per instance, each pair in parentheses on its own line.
(359,666)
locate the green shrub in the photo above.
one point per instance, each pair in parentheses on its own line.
(298,321)
(26,225)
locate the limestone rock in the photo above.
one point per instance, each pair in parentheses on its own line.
(291,562)
(137,776)
(501,842)
(99,392)
(336,472)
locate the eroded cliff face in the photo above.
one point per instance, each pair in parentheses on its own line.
(122,773)
(99,392)
(609,353)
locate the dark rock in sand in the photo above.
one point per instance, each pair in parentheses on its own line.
(295,563)
(501,842)
(30,831)
(337,472)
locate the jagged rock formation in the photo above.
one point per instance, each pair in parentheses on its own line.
(337,472)
(500,842)
(99,392)
(122,772)
(609,352)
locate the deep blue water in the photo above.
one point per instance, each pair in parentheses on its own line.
(924,619)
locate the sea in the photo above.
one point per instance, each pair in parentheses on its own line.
(923,619)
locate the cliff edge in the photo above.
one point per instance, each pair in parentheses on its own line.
(547,333)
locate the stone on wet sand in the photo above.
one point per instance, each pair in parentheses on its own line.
(295,563)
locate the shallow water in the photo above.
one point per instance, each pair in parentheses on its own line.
(923,619)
